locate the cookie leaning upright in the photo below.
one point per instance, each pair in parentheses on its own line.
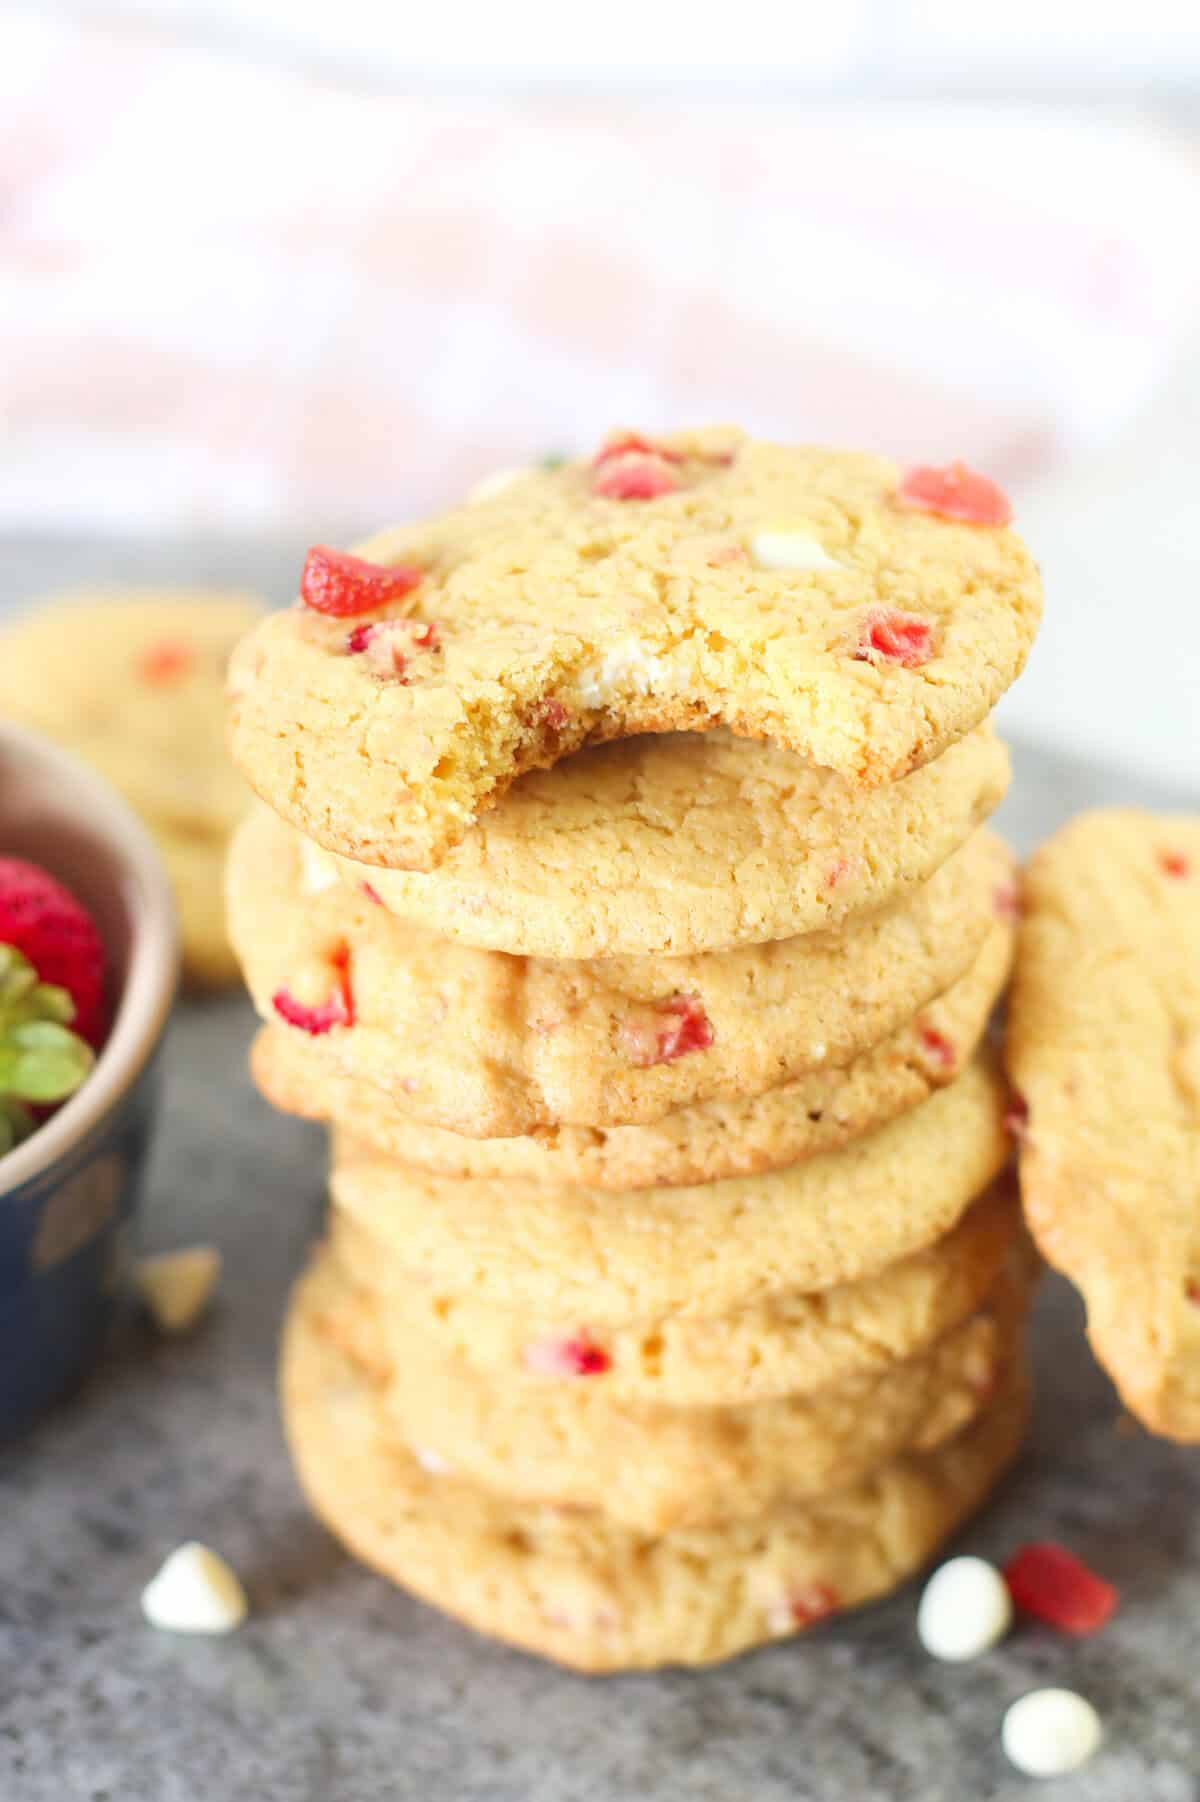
(132,682)
(859,617)
(1104,1047)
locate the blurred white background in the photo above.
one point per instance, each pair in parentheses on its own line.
(273,268)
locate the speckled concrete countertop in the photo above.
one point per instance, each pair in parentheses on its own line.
(341,1689)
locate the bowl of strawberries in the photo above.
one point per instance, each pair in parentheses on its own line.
(88,969)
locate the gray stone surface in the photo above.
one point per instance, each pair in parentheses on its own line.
(340,1689)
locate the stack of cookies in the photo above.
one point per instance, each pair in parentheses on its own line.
(673,1295)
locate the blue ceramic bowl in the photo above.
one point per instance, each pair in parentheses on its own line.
(67,1193)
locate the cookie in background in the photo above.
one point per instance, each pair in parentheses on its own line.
(131,681)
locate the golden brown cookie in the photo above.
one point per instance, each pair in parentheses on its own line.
(791,1342)
(565,1251)
(132,681)
(1104,1047)
(596,1595)
(655,1467)
(800,1119)
(488,1045)
(387,709)
(687,843)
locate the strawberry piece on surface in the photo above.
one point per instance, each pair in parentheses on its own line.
(887,635)
(317,1017)
(954,492)
(341,585)
(634,476)
(1174,863)
(43,920)
(1051,1584)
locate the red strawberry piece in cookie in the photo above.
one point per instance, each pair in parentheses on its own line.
(166,662)
(888,635)
(341,585)
(1016,1116)
(320,998)
(1174,863)
(803,1607)
(44,921)
(619,444)
(939,1047)
(389,645)
(955,492)
(658,1035)
(635,476)
(577,1356)
(1051,1584)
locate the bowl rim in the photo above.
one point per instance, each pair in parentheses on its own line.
(151,978)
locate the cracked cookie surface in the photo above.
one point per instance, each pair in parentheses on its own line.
(1104,1048)
(686,843)
(560,612)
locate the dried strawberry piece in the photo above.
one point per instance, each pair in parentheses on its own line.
(813,1602)
(617,444)
(388,643)
(954,492)
(634,476)
(341,585)
(578,1356)
(888,635)
(551,713)
(1051,1584)
(372,893)
(939,1047)
(166,662)
(658,1035)
(1174,863)
(1016,1115)
(1192,1291)
(1006,901)
(337,1009)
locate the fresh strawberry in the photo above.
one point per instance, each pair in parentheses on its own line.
(43,920)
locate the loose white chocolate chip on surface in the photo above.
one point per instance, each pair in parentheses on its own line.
(1050,1731)
(965,1609)
(177,1286)
(195,1592)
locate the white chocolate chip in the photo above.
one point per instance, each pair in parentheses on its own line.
(177,1286)
(195,1592)
(496,483)
(627,665)
(789,550)
(1050,1731)
(318,868)
(431,1461)
(964,1610)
